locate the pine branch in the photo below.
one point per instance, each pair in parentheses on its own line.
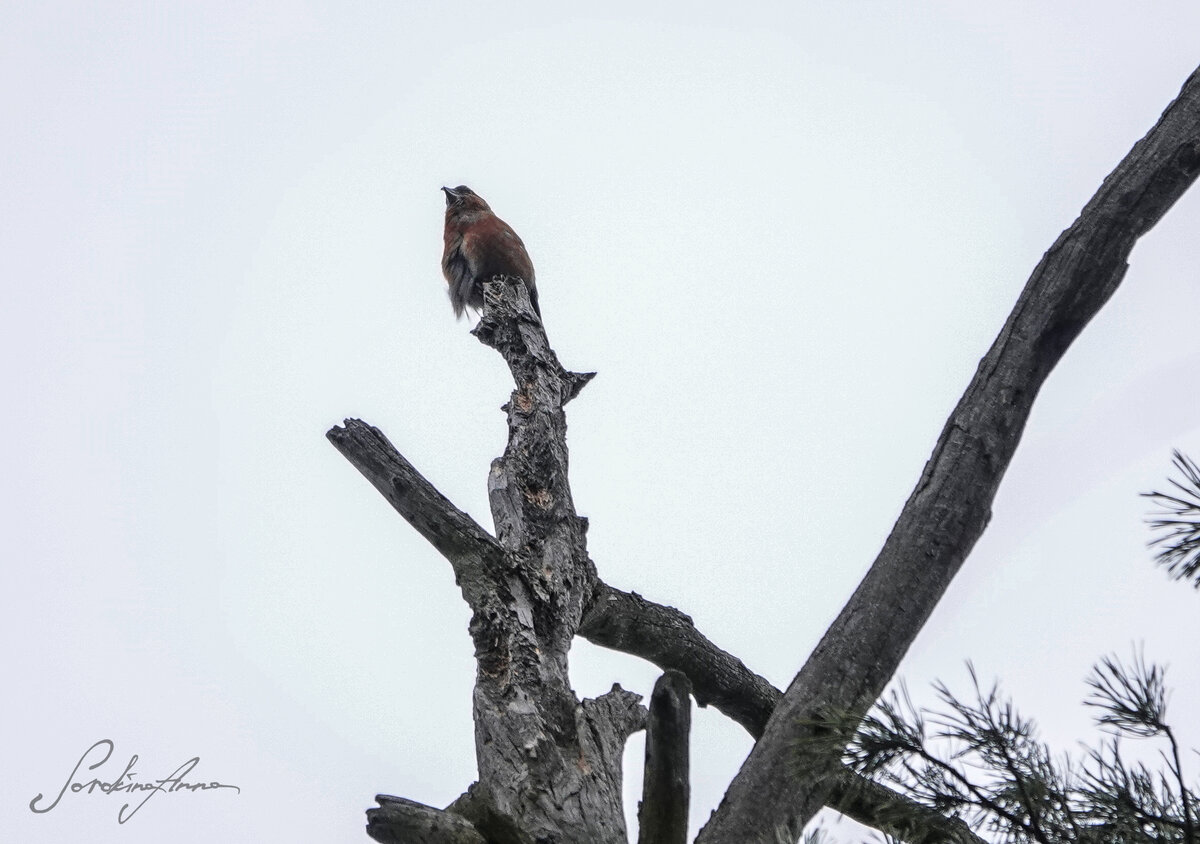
(1177,521)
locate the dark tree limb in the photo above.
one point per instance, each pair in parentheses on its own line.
(627,622)
(666,786)
(400,821)
(771,799)
(894,814)
(471,550)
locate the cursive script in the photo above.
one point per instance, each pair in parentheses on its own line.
(127,782)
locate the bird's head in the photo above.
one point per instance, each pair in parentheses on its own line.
(463,200)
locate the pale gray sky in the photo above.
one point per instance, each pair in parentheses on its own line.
(782,233)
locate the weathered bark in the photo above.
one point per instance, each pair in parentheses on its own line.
(549,765)
(666,787)
(771,799)
(400,821)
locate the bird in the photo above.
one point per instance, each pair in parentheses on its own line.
(480,245)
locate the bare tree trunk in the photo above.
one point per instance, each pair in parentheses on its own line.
(549,765)
(771,800)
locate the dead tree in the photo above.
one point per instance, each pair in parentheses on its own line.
(549,764)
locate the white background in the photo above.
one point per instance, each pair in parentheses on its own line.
(783,234)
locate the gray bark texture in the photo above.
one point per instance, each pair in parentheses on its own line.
(550,764)
(771,799)
(398,820)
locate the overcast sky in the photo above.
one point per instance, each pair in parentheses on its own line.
(782,233)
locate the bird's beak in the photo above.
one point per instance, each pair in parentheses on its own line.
(450,195)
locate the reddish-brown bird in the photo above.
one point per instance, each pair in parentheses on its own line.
(480,245)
